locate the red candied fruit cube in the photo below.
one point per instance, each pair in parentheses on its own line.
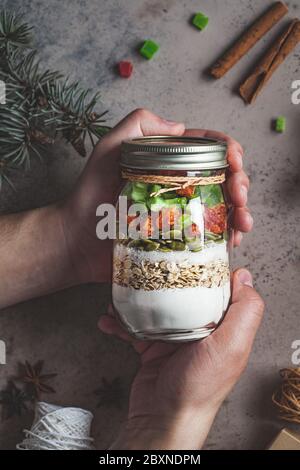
(125,68)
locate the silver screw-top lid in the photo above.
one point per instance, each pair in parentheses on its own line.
(173,153)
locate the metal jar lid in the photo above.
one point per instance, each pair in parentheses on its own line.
(173,153)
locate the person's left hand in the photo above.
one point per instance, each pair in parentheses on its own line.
(100,183)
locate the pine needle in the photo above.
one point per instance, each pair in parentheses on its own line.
(40,104)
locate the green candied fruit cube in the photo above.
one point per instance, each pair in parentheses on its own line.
(156,203)
(200,20)
(154,188)
(280,124)
(148,49)
(139,192)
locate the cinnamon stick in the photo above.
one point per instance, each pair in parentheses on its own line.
(274,57)
(258,29)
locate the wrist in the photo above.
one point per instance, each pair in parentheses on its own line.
(33,253)
(73,243)
(185,431)
(61,249)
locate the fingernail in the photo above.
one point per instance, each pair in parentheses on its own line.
(236,161)
(103,327)
(244,192)
(245,278)
(250,219)
(238,237)
(171,123)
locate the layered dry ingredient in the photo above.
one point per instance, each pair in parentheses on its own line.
(168,281)
(150,275)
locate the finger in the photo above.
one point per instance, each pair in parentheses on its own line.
(235,150)
(140,122)
(148,350)
(104,161)
(241,219)
(237,185)
(239,327)
(110,326)
(110,310)
(158,350)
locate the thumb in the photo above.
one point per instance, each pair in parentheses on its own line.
(240,325)
(140,122)
(102,174)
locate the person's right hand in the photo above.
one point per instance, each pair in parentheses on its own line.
(179,388)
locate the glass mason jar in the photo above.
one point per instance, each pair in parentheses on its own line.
(171,269)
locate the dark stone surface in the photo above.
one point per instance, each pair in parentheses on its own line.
(85,39)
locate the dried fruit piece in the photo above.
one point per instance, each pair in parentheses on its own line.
(215,219)
(150,245)
(200,20)
(188,191)
(130,218)
(195,245)
(168,217)
(173,235)
(164,249)
(134,244)
(146,228)
(177,246)
(149,48)
(280,124)
(125,69)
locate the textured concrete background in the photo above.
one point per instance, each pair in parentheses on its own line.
(85,39)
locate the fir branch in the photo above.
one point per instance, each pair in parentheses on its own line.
(41,105)
(13,32)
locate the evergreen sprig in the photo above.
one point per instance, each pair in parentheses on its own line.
(40,104)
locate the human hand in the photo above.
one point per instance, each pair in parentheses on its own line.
(237,182)
(100,183)
(179,388)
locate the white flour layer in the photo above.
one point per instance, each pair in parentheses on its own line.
(217,251)
(187,308)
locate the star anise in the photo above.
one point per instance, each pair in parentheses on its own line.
(35,380)
(13,401)
(111,393)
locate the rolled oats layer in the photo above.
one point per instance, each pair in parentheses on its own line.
(150,276)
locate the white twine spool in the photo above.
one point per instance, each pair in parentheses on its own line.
(58,428)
